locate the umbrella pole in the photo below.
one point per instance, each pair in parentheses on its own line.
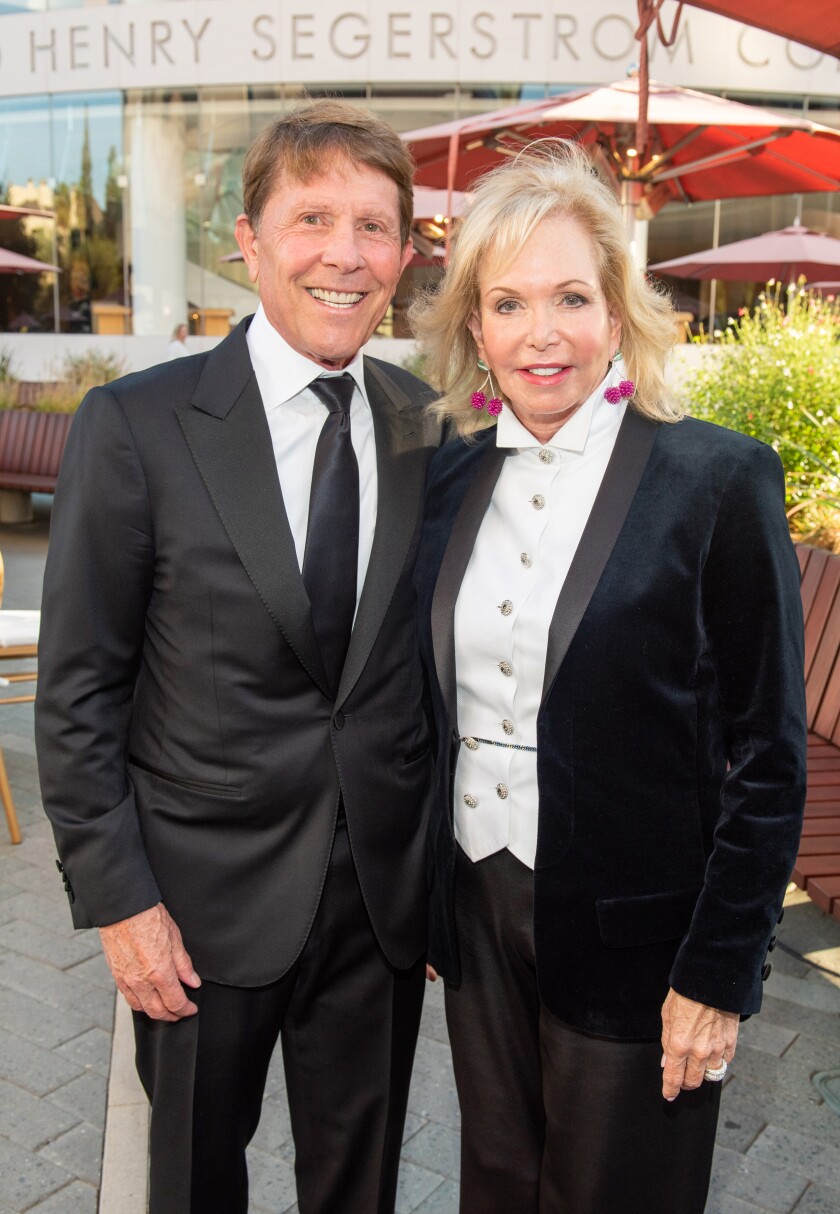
(637,230)
(713,281)
(56,320)
(451,169)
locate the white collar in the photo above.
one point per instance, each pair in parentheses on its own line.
(595,412)
(281,371)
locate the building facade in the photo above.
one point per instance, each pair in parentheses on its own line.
(129,121)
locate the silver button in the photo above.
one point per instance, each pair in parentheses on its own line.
(506,607)
(470,800)
(538,501)
(507,726)
(502,791)
(471,743)
(546,456)
(526,560)
(506,669)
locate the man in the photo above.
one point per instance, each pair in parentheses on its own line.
(236,782)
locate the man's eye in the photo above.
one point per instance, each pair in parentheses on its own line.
(372,226)
(311,219)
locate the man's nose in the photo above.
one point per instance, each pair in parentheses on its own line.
(343,249)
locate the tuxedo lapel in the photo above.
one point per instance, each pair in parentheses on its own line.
(618,488)
(400,474)
(227,433)
(454,565)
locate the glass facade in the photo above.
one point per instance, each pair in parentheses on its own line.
(144,187)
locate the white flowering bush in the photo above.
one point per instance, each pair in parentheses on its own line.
(776,375)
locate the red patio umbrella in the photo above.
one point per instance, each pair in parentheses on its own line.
(700,147)
(16,263)
(815,23)
(7,212)
(784,255)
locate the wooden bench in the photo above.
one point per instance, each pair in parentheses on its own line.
(31,446)
(817,868)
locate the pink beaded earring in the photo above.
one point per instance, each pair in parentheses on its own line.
(625,389)
(479,399)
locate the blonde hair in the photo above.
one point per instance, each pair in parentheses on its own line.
(508,204)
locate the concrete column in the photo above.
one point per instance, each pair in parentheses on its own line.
(158,222)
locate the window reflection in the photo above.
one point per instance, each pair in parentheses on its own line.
(145,187)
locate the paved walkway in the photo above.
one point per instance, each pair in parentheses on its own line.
(778,1142)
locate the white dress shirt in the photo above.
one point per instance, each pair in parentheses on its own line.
(525,545)
(295,419)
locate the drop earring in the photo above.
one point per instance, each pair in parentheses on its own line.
(623,391)
(479,399)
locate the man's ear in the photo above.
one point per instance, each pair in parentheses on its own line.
(407,254)
(246,238)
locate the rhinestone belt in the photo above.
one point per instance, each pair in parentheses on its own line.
(472,744)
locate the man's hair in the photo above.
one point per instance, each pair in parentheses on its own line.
(302,143)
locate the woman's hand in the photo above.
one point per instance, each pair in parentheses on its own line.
(694,1036)
(431,974)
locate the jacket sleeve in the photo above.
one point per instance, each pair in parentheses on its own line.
(752,616)
(97,585)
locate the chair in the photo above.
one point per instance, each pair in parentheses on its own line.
(18,640)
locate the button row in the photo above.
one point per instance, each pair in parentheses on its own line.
(502,792)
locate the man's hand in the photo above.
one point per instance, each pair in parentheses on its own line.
(431,974)
(694,1036)
(149,962)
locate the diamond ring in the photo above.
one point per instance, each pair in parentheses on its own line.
(714,1074)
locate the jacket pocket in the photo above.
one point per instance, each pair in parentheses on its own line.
(418,753)
(200,786)
(646,918)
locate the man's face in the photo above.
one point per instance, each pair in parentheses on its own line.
(327,256)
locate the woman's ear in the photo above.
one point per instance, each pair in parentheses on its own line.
(615,331)
(474,326)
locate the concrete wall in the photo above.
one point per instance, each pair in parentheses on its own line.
(39,356)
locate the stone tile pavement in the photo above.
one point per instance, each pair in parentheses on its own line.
(778,1145)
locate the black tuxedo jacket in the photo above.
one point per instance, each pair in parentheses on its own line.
(189,749)
(671,735)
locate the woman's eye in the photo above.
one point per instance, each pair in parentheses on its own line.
(573,300)
(507,305)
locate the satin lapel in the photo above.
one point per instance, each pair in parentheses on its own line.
(454,566)
(400,473)
(618,488)
(228,436)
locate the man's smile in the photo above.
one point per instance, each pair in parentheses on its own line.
(337,299)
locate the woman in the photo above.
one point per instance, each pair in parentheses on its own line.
(612,625)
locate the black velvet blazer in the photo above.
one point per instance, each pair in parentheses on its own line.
(671,734)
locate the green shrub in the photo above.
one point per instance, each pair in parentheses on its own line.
(84,371)
(77,375)
(7,358)
(416,364)
(775,375)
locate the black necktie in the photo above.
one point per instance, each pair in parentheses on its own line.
(331,558)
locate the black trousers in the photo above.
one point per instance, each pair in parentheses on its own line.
(556,1121)
(348,1024)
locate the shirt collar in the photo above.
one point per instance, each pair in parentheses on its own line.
(282,373)
(574,434)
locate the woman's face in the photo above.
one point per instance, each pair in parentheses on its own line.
(543,326)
